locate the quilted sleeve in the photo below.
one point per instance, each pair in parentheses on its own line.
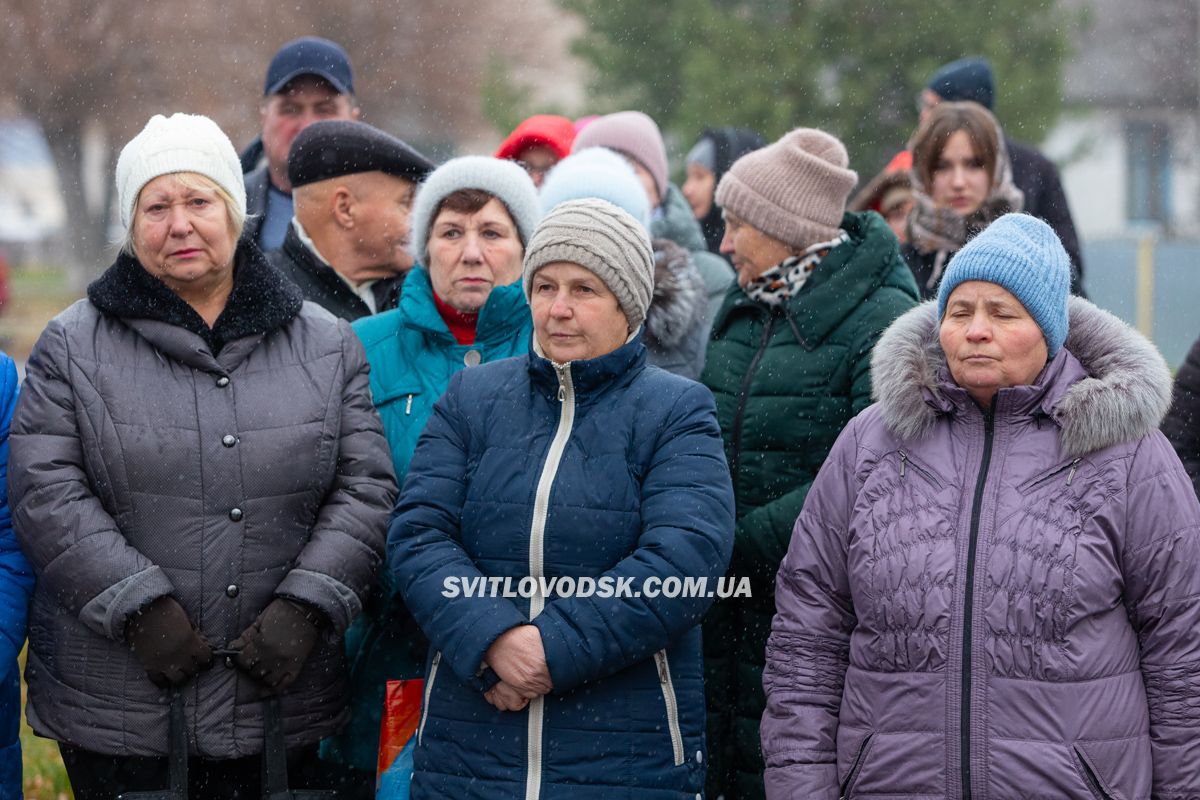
(809,647)
(1161,564)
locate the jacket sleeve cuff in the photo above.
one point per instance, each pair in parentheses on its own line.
(565,673)
(107,612)
(469,651)
(485,680)
(331,597)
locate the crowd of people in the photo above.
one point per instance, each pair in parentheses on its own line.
(326,380)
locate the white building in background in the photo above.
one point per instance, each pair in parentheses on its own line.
(31,205)
(1128,143)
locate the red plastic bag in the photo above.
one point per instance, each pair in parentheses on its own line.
(398,738)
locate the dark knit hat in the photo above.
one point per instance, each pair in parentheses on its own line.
(793,190)
(968,79)
(1024,255)
(333,148)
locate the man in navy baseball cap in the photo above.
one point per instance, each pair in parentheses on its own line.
(308,79)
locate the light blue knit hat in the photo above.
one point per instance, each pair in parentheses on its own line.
(1024,255)
(601,173)
(504,180)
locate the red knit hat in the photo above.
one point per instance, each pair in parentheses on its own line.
(545,130)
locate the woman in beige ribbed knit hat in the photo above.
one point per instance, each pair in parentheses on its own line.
(788,364)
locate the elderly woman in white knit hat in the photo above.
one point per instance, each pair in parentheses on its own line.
(789,365)
(196,468)
(554,508)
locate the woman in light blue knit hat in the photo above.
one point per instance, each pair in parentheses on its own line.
(994,580)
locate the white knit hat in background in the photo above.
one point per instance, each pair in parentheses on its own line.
(178,143)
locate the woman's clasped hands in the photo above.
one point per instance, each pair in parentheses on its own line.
(518,659)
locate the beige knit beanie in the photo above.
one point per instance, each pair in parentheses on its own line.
(793,190)
(601,238)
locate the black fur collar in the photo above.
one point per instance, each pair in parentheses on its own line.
(261,301)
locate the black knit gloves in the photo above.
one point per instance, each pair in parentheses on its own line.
(276,645)
(162,638)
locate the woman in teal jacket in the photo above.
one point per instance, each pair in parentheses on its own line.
(462,306)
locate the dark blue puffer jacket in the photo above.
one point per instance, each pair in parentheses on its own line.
(16,584)
(641,490)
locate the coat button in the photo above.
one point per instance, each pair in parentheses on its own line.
(231,590)
(235,514)
(229,440)
(222,381)
(472,358)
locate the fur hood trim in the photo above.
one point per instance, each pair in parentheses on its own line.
(680,297)
(1125,396)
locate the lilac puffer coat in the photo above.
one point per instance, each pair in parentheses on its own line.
(1004,607)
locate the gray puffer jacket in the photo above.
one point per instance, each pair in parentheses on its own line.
(993,606)
(224,467)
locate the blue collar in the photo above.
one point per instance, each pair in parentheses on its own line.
(590,376)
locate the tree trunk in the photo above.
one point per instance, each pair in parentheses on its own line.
(86,229)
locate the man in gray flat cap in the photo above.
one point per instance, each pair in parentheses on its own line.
(353,187)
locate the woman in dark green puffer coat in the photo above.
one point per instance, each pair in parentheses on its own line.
(789,365)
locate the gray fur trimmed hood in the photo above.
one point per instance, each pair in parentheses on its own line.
(680,296)
(1126,396)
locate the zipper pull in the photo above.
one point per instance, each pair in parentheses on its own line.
(408,406)
(903,459)
(662,672)
(1071,474)
(562,382)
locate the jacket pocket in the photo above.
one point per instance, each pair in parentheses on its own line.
(1092,777)
(433,668)
(852,776)
(907,463)
(668,691)
(1067,471)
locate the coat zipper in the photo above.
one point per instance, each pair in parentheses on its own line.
(743,396)
(852,775)
(433,668)
(537,533)
(989,429)
(668,690)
